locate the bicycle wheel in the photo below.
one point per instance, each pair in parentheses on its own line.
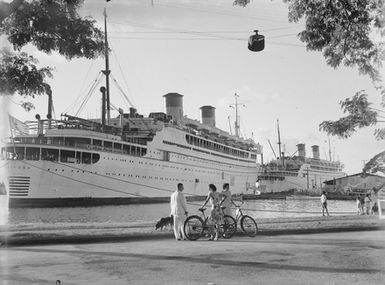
(228,228)
(193,228)
(249,226)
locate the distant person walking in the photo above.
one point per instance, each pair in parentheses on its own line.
(324,204)
(360,210)
(179,211)
(367,204)
(362,200)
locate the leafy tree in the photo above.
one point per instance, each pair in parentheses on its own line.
(343,30)
(19,74)
(349,33)
(346,31)
(375,164)
(359,115)
(50,26)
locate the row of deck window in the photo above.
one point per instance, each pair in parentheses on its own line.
(88,143)
(216,146)
(50,154)
(330,168)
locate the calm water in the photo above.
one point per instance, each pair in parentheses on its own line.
(152,212)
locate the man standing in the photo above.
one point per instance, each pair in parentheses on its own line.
(324,204)
(179,211)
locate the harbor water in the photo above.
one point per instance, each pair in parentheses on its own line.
(152,212)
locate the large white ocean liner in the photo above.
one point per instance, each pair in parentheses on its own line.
(74,161)
(126,159)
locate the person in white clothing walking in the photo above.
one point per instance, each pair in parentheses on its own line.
(178,211)
(324,204)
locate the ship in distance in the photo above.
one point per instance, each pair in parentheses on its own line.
(298,172)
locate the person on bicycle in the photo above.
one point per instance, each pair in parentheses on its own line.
(226,200)
(216,213)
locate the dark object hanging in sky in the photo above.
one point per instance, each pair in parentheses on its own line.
(256,42)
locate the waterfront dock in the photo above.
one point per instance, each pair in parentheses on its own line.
(33,234)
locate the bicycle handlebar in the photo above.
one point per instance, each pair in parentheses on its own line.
(238,206)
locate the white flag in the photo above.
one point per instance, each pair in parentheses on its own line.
(17,126)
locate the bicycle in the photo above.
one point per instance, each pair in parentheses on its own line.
(196,227)
(248,224)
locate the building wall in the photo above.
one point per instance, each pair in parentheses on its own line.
(355,184)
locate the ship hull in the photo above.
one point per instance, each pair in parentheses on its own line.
(73,167)
(116,180)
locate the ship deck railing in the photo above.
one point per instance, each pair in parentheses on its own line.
(26,142)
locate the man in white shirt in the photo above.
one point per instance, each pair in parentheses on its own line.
(179,211)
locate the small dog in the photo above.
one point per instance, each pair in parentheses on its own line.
(164,222)
(375,208)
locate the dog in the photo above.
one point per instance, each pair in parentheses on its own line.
(164,222)
(375,208)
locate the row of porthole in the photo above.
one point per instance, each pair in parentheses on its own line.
(129,175)
(136,176)
(150,177)
(131,161)
(177,156)
(114,173)
(158,165)
(22,167)
(77,171)
(156,178)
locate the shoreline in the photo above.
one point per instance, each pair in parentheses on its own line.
(94,202)
(76,233)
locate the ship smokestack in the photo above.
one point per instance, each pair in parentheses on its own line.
(315,149)
(301,150)
(174,105)
(208,115)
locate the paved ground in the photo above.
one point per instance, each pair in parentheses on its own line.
(323,258)
(30,234)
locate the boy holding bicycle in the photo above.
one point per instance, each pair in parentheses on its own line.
(226,201)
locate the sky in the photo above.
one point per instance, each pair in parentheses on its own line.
(199,49)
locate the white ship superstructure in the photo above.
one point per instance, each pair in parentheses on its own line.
(298,172)
(74,161)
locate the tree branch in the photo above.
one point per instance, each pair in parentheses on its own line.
(6,9)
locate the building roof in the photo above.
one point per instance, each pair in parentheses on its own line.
(353,175)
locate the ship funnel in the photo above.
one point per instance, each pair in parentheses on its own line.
(301,150)
(315,149)
(208,115)
(174,105)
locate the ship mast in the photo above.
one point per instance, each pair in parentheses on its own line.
(107,70)
(279,143)
(236,123)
